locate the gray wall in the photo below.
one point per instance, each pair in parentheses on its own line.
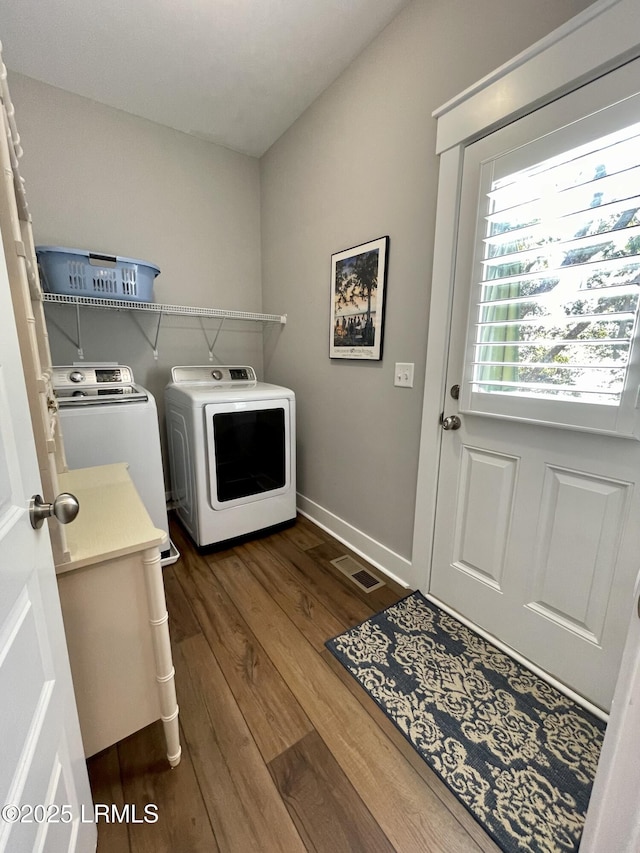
(103,180)
(357,165)
(231,232)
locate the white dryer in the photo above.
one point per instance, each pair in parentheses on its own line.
(232,451)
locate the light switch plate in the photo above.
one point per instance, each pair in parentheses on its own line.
(403,375)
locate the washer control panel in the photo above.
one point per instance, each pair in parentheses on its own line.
(67,376)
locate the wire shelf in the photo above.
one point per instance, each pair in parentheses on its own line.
(160,308)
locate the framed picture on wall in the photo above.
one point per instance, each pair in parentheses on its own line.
(358,283)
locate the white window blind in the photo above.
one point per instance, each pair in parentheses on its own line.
(560,268)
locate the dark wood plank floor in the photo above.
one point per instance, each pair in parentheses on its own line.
(282,750)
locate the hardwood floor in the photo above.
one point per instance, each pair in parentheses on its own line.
(282,750)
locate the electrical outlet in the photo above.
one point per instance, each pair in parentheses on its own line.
(403,376)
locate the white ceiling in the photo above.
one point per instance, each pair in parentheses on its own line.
(234,72)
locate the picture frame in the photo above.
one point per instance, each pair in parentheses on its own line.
(358,291)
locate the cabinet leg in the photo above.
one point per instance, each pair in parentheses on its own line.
(165,672)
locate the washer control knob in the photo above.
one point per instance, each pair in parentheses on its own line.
(217,374)
(76,376)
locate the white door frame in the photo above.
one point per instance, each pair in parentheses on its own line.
(601,38)
(613,819)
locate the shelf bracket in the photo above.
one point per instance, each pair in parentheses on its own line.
(204,332)
(65,334)
(79,334)
(153,344)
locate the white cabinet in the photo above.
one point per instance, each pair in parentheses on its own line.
(115,614)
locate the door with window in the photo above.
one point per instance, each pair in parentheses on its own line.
(538,510)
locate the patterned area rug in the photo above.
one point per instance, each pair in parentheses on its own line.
(517,753)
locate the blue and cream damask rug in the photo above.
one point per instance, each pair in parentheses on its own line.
(517,753)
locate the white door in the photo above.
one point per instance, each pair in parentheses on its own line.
(538,510)
(43,775)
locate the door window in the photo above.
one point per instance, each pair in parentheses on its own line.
(553,323)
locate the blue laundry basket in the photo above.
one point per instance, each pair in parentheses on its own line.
(75,272)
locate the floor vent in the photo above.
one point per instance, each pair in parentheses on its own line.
(357,573)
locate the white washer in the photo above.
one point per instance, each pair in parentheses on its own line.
(232,451)
(107,418)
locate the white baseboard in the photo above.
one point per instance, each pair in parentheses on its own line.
(391,564)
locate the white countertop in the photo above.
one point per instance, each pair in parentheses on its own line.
(112,520)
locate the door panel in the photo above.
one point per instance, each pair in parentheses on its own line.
(41,757)
(482,526)
(573,567)
(536,537)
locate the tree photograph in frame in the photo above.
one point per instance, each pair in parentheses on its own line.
(358,282)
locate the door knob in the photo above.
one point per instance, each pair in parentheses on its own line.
(65,508)
(451,422)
